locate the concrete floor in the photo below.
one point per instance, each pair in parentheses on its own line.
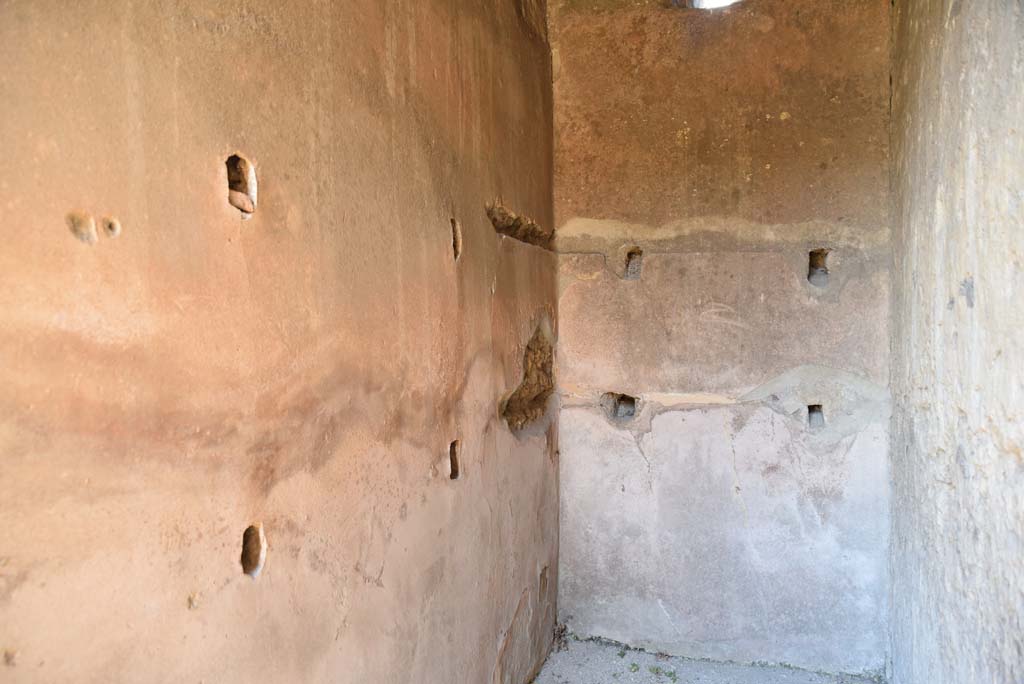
(590,662)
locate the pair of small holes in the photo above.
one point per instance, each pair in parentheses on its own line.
(83,226)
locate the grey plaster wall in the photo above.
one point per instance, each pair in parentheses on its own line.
(731,532)
(958,513)
(718,522)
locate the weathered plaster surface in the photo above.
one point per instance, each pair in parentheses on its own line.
(306,368)
(732,532)
(725,145)
(958,466)
(754,301)
(768,111)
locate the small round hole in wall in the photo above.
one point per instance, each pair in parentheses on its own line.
(111,226)
(453,460)
(456,239)
(254,550)
(241,184)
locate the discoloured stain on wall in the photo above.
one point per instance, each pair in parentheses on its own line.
(768,111)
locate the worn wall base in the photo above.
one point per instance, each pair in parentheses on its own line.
(731,532)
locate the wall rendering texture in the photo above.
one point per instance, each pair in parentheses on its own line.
(305,369)
(721,520)
(958,504)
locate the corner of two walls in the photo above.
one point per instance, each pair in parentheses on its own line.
(958,350)
(177,378)
(724,431)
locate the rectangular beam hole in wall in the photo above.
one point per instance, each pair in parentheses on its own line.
(815,416)
(619,406)
(817,267)
(634,263)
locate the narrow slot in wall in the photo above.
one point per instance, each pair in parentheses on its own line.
(241,184)
(454,470)
(254,550)
(456,239)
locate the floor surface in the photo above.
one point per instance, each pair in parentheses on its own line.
(591,662)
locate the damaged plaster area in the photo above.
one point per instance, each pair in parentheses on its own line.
(690,524)
(517,227)
(529,400)
(601,662)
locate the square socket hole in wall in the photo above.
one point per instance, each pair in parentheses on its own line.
(453,460)
(815,416)
(619,406)
(817,267)
(634,264)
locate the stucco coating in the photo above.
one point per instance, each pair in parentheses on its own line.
(351,368)
(729,533)
(305,369)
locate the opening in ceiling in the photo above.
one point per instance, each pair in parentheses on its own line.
(710,4)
